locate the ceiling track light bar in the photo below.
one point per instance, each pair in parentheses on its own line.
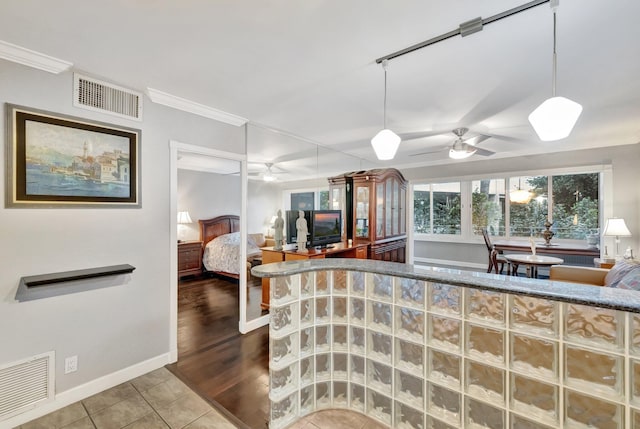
(465,29)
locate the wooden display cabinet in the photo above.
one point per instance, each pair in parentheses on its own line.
(373,203)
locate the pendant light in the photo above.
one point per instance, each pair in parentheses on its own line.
(519,195)
(386,142)
(554,118)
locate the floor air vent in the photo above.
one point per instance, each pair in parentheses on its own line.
(93,94)
(26,383)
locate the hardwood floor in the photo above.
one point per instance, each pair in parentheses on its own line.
(214,359)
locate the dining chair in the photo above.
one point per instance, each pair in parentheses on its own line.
(495,257)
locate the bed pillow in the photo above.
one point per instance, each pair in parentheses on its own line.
(619,271)
(256,239)
(631,280)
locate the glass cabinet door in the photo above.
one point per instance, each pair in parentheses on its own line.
(380,210)
(336,199)
(388,202)
(395,210)
(362,211)
(401,211)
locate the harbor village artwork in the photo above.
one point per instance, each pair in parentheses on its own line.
(59,160)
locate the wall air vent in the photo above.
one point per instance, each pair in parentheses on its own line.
(25,384)
(105,97)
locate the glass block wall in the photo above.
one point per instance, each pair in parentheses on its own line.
(416,354)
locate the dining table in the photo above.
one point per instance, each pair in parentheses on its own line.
(532,262)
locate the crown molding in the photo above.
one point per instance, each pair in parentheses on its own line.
(185,105)
(27,57)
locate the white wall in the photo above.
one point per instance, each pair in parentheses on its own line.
(263,202)
(113,328)
(625,165)
(205,196)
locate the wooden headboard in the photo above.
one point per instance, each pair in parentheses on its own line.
(212,228)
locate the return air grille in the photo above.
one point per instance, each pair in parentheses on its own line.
(25,383)
(93,94)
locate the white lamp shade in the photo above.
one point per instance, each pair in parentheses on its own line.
(554,118)
(615,227)
(268,177)
(385,144)
(183,217)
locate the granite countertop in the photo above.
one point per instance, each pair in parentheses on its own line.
(618,299)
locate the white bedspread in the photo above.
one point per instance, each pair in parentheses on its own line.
(223,253)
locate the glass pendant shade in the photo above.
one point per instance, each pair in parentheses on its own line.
(385,144)
(555,118)
(520,196)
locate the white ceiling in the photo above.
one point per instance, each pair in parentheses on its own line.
(308,67)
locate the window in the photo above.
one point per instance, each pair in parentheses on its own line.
(527,215)
(487,206)
(422,208)
(440,202)
(515,206)
(575,205)
(324,200)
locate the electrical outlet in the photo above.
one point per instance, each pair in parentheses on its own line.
(71,364)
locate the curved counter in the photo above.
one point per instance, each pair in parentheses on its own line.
(422,348)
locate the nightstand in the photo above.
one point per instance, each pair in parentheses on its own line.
(603,263)
(189,258)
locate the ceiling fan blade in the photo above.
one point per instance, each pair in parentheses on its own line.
(473,141)
(434,150)
(419,135)
(483,152)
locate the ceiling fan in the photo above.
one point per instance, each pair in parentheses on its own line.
(461,147)
(267,176)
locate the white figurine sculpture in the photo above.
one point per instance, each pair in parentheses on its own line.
(302,231)
(278,227)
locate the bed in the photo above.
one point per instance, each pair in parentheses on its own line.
(220,238)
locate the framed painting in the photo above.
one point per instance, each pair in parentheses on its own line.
(56,160)
(302,201)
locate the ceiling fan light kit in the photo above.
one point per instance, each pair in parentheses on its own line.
(268,176)
(386,142)
(462,153)
(555,118)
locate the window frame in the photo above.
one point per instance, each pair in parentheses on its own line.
(605,203)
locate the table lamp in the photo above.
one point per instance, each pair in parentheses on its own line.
(615,227)
(271,231)
(183,219)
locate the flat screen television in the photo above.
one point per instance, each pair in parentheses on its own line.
(326,227)
(292,232)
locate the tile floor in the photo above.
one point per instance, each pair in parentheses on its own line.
(157,400)
(336,419)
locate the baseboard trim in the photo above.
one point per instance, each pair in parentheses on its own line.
(83,391)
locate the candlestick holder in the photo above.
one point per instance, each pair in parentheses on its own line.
(547,234)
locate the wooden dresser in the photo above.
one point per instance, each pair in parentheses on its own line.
(189,258)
